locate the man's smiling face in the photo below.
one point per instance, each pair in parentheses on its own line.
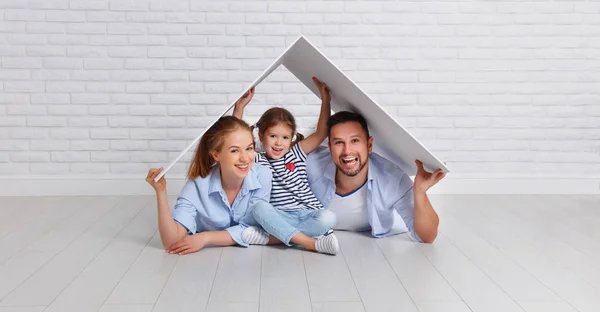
(350,147)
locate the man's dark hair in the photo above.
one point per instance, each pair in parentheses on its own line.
(346,116)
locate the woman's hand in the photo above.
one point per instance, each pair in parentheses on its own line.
(240,104)
(323,90)
(161,185)
(188,244)
(245,99)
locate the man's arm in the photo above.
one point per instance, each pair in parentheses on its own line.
(426,219)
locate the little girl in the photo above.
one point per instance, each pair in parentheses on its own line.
(294,215)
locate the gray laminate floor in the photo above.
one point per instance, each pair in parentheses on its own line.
(493,253)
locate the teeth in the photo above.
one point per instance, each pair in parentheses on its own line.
(349,160)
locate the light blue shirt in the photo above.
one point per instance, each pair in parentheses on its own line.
(390,201)
(203,206)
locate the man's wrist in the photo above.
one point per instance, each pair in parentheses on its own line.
(419,195)
(419,191)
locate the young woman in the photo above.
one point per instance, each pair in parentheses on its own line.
(294,215)
(215,205)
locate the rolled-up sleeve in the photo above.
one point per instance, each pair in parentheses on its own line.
(405,205)
(185,211)
(236,234)
(316,162)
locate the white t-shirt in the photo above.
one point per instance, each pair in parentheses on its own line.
(351,210)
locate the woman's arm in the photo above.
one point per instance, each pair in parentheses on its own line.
(313,141)
(170,231)
(240,104)
(198,241)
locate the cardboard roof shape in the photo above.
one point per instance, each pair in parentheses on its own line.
(390,139)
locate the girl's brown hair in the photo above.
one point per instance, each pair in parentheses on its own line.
(274,116)
(213,140)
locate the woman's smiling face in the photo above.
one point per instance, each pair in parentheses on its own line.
(236,156)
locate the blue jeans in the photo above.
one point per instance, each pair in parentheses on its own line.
(284,224)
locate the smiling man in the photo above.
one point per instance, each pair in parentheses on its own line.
(367,191)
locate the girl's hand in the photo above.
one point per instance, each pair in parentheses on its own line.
(323,90)
(161,185)
(188,244)
(310,143)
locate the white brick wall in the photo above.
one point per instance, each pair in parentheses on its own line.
(115,87)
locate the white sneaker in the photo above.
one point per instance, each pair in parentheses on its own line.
(254,235)
(328,244)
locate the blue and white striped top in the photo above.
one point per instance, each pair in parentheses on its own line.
(290,189)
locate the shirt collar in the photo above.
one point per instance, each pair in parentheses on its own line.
(330,170)
(214,182)
(251,181)
(371,169)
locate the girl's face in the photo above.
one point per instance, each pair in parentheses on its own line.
(277,141)
(236,156)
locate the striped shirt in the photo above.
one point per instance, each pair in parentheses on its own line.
(290,183)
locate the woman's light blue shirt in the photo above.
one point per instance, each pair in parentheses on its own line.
(203,206)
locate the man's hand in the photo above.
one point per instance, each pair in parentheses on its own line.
(188,244)
(323,90)
(425,180)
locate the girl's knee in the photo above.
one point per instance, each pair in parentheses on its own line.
(261,208)
(327,219)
